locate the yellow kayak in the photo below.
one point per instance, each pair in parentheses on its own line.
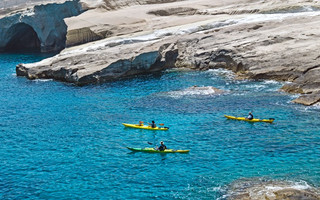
(145,127)
(250,120)
(153,150)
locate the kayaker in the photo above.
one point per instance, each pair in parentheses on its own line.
(250,116)
(153,125)
(140,123)
(162,147)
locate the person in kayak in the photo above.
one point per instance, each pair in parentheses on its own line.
(250,116)
(140,123)
(153,125)
(162,147)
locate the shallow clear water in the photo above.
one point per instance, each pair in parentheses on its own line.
(59,141)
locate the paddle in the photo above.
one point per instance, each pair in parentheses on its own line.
(161,124)
(155,148)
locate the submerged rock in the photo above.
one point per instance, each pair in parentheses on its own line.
(206,90)
(196,91)
(257,189)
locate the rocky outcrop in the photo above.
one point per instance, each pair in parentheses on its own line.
(11,5)
(308,99)
(89,67)
(307,84)
(116,4)
(174,11)
(252,189)
(111,18)
(82,35)
(254,44)
(39,28)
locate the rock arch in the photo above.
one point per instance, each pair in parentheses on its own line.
(22,37)
(39,28)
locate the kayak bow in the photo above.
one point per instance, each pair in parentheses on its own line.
(153,150)
(145,127)
(250,120)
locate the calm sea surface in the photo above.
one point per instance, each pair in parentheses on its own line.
(59,141)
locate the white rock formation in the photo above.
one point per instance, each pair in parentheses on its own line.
(41,27)
(256,39)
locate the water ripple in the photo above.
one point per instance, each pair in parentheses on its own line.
(66,142)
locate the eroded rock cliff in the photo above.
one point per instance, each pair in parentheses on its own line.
(255,39)
(39,28)
(112,63)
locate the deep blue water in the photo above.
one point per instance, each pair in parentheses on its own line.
(59,141)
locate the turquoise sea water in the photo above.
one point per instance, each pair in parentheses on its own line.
(59,141)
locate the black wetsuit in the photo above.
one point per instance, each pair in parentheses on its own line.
(250,116)
(162,147)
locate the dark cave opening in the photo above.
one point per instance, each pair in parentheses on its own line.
(23,38)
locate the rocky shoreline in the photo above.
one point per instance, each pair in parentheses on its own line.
(262,189)
(254,39)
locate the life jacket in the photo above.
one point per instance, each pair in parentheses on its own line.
(162,147)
